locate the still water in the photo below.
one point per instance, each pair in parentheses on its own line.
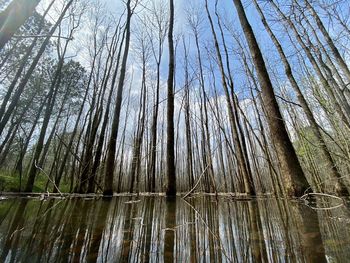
(156,229)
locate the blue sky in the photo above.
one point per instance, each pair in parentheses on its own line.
(227,10)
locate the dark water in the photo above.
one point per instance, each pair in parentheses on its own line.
(154,229)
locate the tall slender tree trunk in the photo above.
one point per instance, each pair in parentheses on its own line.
(112,142)
(16,96)
(329,40)
(326,85)
(19,163)
(23,64)
(170,151)
(40,144)
(293,175)
(334,173)
(51,98)
(70,143)
(189,157)
(136,157)
(232,112)
(153,156)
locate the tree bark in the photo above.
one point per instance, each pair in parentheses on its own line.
(170,154)
(334,173)
(111,148)
(16,97)
(293,175)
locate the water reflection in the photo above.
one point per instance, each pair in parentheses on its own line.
(156,229)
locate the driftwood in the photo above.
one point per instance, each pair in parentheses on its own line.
(305,196)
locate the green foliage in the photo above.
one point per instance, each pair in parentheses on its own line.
(10,182)
(306,142)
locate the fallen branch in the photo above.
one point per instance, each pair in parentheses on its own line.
(325,181)
(42,170)
(199,179)
(132,201)
(325,195)
(320,194)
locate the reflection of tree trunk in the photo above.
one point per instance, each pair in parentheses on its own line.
(231,235)
(16,225)
(193,235)
(257,242)
(310,234)
(148,221)
(60,216)
(169,237)
(73,230)
(16,240)
(128,230)
(97,232)
(214,241)
(39,227)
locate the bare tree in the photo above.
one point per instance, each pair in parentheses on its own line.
(170,151)
(293,175)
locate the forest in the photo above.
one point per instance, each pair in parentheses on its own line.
(174,131)
(148,96)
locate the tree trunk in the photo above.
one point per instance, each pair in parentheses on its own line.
(111,148)
(170,154)
(232,112)
(13,17)
(329,40)
(334,173)
(24,81)
(293,175)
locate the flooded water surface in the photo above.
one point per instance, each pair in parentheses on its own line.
(156,229)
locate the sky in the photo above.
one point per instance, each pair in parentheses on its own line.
(227,9)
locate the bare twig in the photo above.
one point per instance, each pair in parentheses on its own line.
(288,101)
(199,179)
(325,195)
(34,36)
(65,145)
(323,182)
(320,194)
(210,231)
(42,170)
